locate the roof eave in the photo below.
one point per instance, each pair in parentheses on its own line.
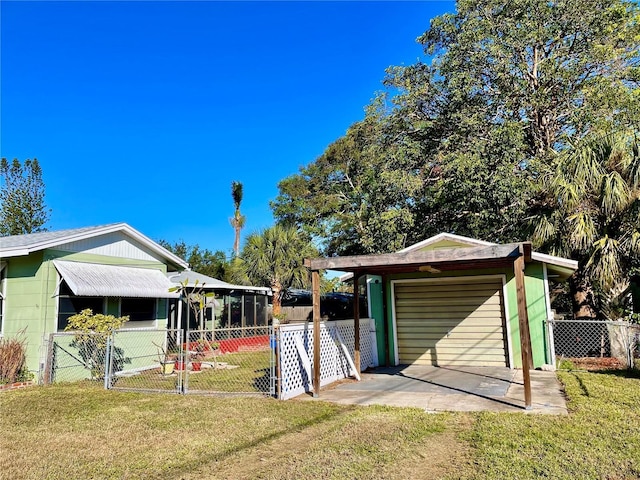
(116,227)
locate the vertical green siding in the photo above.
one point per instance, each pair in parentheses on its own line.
(537,313)
(377,313)
(28,304)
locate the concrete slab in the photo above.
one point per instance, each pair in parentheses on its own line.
(434,389)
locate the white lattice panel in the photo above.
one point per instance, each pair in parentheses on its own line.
(294,379)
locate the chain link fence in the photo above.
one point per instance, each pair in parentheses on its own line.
(236,361)
(595,344)
(73,357)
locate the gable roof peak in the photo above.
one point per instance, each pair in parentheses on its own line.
(20,245)
(472,242)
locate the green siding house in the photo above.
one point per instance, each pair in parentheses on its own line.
(47,277)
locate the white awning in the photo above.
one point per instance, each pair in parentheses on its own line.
(97,280)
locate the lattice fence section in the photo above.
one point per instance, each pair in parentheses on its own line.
(595,344)
(295,354)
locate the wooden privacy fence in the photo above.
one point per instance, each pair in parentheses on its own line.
(295,354)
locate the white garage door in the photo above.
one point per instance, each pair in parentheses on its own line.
(451,323)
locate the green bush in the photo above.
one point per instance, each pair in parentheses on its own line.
(92,332)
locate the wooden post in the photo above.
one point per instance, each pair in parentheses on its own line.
(523,322)
(356,321)
(315,289)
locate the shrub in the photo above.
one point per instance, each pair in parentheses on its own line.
(13,361)
(92,332)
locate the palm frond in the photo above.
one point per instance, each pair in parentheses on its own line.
(615,194)
(582,231)
(604,264)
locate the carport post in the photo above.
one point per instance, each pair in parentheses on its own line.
(356,322)
(523,323)
(315,292)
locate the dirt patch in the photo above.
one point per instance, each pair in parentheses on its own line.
(593,363)
(445,455)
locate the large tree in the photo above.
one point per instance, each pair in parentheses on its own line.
(592,214)
(22,206)
(560,69)
(459,144)
(274,257)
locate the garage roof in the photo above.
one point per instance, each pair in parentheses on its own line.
(468,254)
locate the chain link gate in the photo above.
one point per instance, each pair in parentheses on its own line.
(237,361)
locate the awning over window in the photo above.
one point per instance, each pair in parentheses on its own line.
(96,280)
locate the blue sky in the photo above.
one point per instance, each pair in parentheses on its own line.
(145,112)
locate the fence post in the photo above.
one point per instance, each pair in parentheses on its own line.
(47,375)
(278,383)
(107,363)
(627,338)
(552,343)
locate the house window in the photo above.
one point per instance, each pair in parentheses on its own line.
(138,309)
(69,305)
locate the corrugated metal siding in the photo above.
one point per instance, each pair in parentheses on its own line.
(88,279)
(452,323)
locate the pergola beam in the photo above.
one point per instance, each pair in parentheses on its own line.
(409,259)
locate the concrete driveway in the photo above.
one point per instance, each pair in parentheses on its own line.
(497,389)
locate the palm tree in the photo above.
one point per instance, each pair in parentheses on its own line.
(593,216)
(237,221)
(274,257)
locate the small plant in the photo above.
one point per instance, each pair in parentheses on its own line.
(13,360)
(565,364)
(280,318)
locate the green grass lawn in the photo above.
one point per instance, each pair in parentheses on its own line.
(235,372)
(79,431)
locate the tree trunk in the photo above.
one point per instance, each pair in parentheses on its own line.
(236,241)
(582,296)
(276,288)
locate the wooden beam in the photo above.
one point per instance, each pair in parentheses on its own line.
(523,322)
(356,322)
(315,292)
(431,257)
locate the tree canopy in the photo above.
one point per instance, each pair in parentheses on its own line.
(206,262)
(592,214)
(22,206)
(466,140)
(274,257)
